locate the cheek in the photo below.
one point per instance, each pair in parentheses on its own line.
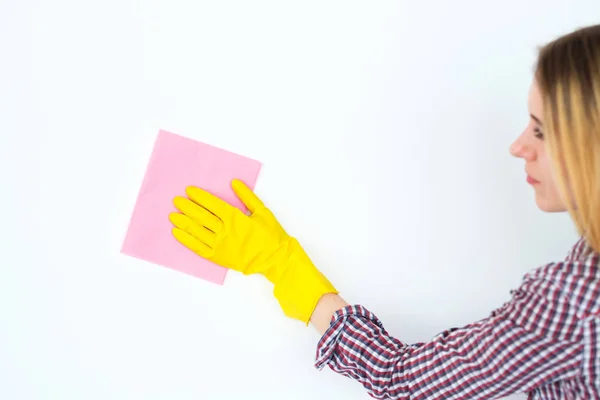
(549,189)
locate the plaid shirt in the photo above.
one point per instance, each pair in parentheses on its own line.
(544,341)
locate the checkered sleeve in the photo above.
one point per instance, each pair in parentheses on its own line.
(531,340)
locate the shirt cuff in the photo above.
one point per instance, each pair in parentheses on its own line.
(328,342)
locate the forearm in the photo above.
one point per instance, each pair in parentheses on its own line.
(326,307)
(355,345)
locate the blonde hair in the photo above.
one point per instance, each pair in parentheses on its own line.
(568,73)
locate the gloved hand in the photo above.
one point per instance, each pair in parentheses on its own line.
(254,244)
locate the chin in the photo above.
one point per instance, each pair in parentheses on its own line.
(549,206)
(551,209)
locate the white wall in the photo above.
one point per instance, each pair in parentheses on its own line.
(383,128)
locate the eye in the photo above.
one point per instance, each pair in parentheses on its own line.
(538,133)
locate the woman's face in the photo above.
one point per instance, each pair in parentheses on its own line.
(530,147)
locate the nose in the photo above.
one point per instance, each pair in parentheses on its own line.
(520,149)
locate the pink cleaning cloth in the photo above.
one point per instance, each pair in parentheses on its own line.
(178,162)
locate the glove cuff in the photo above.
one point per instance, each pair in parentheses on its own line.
(300,285)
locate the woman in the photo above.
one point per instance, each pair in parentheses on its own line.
(544,341)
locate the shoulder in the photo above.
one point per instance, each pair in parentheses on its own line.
(572,282)
(580,250)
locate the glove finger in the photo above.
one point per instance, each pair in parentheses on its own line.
(209,201)
(197,213)
(246,195)
(189,226)
(192,243)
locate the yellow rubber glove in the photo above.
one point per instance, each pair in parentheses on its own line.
(250,244)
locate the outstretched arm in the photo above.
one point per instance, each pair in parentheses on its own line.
(533,340)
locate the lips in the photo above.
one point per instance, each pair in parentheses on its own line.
(532,181)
